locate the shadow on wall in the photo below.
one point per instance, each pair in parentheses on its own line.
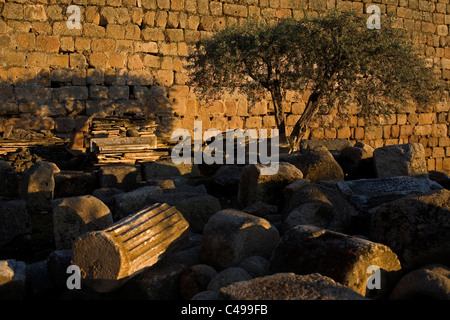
(64,102)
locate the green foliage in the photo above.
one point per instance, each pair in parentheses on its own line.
(335,56)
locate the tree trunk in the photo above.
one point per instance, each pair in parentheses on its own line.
(280,120)
(302,123)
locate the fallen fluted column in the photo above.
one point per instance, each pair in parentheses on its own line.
(109,257)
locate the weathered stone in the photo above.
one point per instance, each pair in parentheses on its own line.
(38,185)
(289,286)
(106,195)
(331,145)
(357,162)
(159,282)
(345,259)
(14,220)
(440,177)
(196,279)
(429,282)
(228,276)
(256,266)
(261,209)
(39,283)
(366,194)
(118,176)
(400,160)
(196,208)
(108,258)
(232,235)
(166,168)
(74,216)
(57,263)
(289,190)
(416,228)
(206,295)
(9,181)
(164,184)
(228,177)
(12,279)
(319,206)
(316,164)
(128,203)
(74,183)
(254,186)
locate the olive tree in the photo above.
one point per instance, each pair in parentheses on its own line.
(334,56)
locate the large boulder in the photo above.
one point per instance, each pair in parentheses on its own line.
(167,168)
(346,259)
(416,228)
(400,160)
(38,186)
(12,279)
(289,286)
(357,161)
(121,176)
(228,276)
(429,282)
(256,186)
(9,182)
(316,164)
(195,279)
(320,206)
(232,235)
(131,202)
(74,216)
(14,220)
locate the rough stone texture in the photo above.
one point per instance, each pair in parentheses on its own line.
(344,258)
(57,263)
(12,279)
(14,220)
(166,168)
(195,279)
(256,266)
(38,185)
(357,161)
(232,235)
(416,228)
(206,295)
(228,276)
(160,282)
(429,282)
(106,195)
(197,208)
(289,286)
(320,206)
(400,160)
(255,186)
(131,202)
(441,178)
(228,177)
(367,194)
(261,209)
(9,182)
(74,216)
(316,164)
(74,183)
(118,176)
(108,258)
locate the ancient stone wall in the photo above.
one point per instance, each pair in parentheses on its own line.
(127,58)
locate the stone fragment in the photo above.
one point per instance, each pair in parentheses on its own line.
(331,145)
(232,235)
(228,276)
(74,183)
(256,266)
(38,186)
(12,279)
(108,258)
(166,168)
(255,186)
(289,286)
(320,206)
(130,202)
(57,263)
(9,182)
(416,228)
(316,164)
(39,283)
(196,279)
(118,176)
(14,220)
(345,259)
(366,194)
(74,216)
(206,295)
(357,162)
(441,178)
(429,282)
(261,209)
(400,160)
(106,195)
